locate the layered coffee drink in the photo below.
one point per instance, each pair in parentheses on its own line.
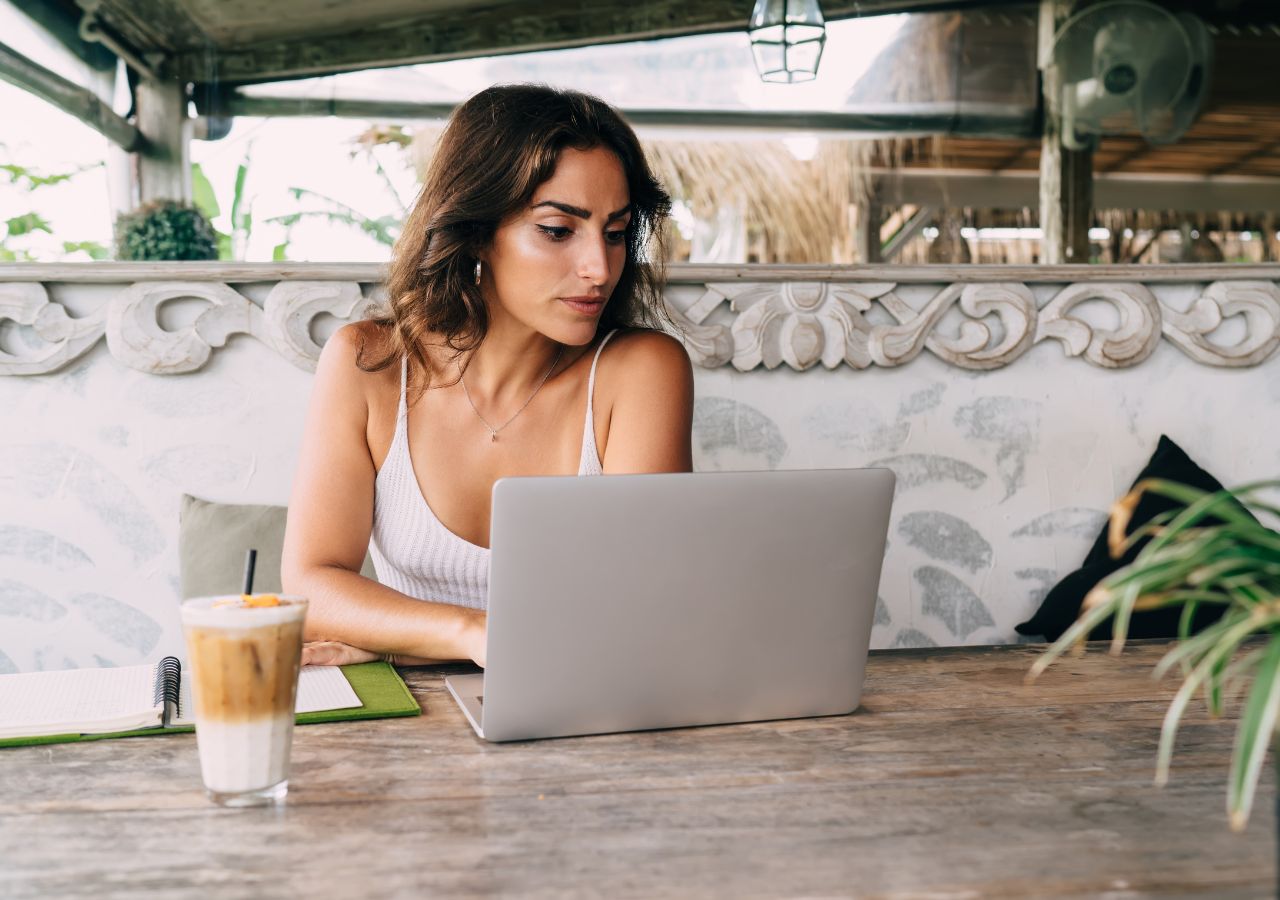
(244,654)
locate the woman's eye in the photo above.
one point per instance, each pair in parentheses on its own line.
(554,232)
(616,237)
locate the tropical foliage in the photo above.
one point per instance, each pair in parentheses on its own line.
(16,241)
(383,229)
(1210,550)
(231,244)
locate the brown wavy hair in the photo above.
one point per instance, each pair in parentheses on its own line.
(495,151)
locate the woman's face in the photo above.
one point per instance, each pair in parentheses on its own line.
(553,266)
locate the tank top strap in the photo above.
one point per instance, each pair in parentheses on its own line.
(591,379)
(590,459)
(402,411)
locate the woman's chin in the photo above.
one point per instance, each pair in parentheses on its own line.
(574,334)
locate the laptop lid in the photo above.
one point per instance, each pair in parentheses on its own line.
(632,602)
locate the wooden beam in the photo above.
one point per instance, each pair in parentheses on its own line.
(981,189)
(1066,175)
(67,96)
(1136,255)
(492,30)
(1009,161)
(1260,149)
(163,161)
(918,118)
(157,29)
(866,230)
(1133,155)
(920,218)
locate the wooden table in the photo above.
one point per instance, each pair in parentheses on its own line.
(952,781)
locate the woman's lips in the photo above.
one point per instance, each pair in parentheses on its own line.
(586,305)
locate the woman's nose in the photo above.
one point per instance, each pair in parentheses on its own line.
(593,265)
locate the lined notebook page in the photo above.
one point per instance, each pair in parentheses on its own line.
(324,687)
(319,687)
(78,700)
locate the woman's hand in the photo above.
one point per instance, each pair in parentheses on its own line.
(335,653)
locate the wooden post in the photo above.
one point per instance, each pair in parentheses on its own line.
(1066,176)
(866,230)
(163,165)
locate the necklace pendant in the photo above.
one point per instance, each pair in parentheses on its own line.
(493,438)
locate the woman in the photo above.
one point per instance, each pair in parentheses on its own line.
(508,346)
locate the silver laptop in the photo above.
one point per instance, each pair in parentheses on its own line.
(631,602)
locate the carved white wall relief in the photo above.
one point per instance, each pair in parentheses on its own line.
(974,347)
(1111,348)
(1257,301)
(137,339)
(131,323)
(292,305)
(66,338)
(800,324)
(710,346)
(804,323)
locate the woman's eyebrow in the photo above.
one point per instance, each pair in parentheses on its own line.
(579,211)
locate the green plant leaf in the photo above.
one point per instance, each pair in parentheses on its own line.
(1222,504)
(1257,725)
(27,223)
(27,178)
(92,248)
(202,193)
(1237,630)
(383,229)
(1195,649)
(237,195)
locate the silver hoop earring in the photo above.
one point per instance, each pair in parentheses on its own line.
(477,273)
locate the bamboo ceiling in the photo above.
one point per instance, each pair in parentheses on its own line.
(1237,133)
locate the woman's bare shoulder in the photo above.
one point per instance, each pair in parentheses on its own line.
(641,361)
(365,337)
(644,350)
(356,348)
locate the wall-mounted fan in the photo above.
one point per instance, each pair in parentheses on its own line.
(1126,66)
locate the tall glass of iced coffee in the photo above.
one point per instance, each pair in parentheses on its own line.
(244,653)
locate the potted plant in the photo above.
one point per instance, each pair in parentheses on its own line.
(1208,551)
(165,230)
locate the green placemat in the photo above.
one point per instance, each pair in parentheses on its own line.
(382,692)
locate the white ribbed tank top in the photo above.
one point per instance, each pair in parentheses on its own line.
(411,548)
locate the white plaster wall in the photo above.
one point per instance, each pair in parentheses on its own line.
(1005,476)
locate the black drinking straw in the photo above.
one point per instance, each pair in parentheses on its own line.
(250,558)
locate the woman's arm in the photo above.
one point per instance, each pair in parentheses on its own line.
(651,419)
(330,520)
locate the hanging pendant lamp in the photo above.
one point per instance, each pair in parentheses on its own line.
(786,39)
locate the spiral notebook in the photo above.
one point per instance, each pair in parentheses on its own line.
(127,701)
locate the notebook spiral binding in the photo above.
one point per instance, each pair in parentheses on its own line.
(168,682)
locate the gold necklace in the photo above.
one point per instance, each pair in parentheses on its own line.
(493,432)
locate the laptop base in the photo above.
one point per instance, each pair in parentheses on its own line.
(468,690)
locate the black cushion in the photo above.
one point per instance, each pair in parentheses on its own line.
(1061,605)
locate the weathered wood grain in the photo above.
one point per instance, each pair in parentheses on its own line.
(954,779)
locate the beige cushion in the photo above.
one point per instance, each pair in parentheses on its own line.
(213,539)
